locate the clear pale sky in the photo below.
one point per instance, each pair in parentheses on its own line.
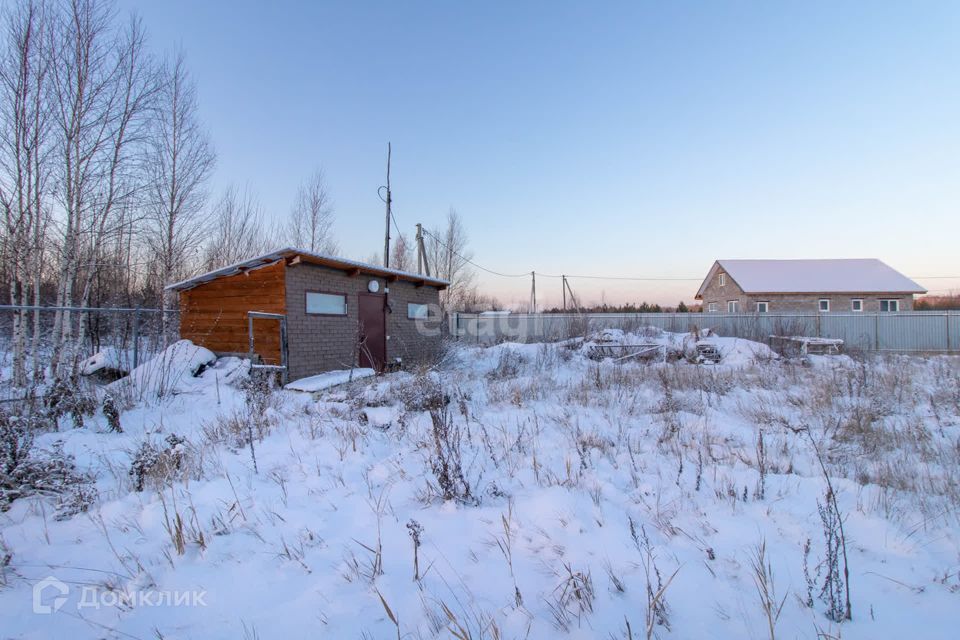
(635,139)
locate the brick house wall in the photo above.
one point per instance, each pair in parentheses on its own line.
(318,343)
(793,302)
(721,295)
(413,341)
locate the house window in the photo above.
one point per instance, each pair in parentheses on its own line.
(763,307)
(824,305)
(415,311)
(723,279)
(733,306)
(856,305)
(326,304)
(711,307)
(889,306)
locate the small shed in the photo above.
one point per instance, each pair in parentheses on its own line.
(306,313)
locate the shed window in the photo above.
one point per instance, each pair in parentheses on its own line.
(889,306)
(415,311)
(763,307)
(326,304)
(856,305)
(824,305)
(733,306)
(711,307)
(723,279)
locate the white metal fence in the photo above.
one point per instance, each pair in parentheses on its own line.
(912,331)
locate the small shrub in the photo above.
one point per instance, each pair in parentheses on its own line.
(68,397)
(447,460)
(508,365)
(159,464)
(111,413)
(572,599)
(423,393)
(832,590)
(25,472)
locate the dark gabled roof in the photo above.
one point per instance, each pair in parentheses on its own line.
(307,257)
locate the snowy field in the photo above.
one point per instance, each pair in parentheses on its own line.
(517,491)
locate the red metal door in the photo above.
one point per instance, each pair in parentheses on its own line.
(373,330)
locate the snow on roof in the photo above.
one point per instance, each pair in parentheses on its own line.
(317,258)
(866,275)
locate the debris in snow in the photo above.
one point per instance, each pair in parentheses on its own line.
(792,346)
(653,345)
(380,417)
(328,379)
(109,363)
(708,352)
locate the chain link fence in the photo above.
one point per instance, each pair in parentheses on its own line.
(124,338)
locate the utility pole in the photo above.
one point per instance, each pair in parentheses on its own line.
(573,298)
(386,239)
(563,286)
(533,292)
(422,265)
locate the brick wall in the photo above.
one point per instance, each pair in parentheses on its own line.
(721,295)
(413,341)
(323,343)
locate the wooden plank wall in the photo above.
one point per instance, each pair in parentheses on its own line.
(215,314)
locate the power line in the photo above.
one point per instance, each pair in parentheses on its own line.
(637,278)
(596,277)
(465,259)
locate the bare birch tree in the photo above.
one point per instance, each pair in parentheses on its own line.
(238,232)
(103,83)
(311,219)
(24,170)
(180,160)
(449,258)
(401,255)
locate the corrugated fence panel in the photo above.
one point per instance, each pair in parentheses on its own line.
(907,331)
(913,332)
(857,330)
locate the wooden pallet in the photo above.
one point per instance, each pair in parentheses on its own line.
(802,345)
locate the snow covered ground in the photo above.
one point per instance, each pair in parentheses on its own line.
(585,499)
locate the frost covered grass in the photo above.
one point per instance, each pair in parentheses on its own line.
(517,491)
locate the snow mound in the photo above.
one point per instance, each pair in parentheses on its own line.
(328,379)
(172,371)
(738,352)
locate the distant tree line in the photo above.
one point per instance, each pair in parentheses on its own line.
(630,307)
(938,303)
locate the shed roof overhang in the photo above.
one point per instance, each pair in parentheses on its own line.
(294,256)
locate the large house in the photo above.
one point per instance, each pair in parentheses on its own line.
(850,285)
(309,313)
